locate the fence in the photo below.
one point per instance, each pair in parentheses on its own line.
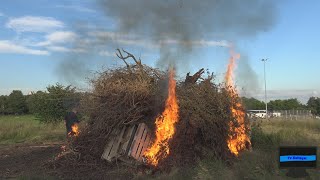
(281,114)
(292,114)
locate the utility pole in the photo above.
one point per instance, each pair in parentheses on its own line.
(265,86)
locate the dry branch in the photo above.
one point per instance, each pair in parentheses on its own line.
(193,79)
(125,96)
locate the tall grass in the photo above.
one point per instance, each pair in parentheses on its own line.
(262,161)
(26,129)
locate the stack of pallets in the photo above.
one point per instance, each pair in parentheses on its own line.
(128,144)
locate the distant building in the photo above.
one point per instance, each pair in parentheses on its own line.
(262,114)
(256,113)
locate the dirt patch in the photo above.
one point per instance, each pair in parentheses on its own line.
(26,159)
(36,161)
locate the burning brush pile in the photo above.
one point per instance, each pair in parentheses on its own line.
(141,114)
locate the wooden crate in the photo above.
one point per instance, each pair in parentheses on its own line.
(127,143)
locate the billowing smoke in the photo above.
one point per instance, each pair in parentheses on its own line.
(247,78)
(175,28)
(181,24)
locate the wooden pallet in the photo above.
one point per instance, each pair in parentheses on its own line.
(140,142)
(130,142)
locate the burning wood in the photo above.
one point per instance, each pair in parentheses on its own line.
(165,126)
(238,138)
(125,98)
(74,130)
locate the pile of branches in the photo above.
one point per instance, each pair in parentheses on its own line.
(136,93)
(120,96)
(203,127)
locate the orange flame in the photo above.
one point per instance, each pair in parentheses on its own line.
(165,126)
(238,138)
(75,130)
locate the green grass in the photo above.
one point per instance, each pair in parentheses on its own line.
(262,161)
(26,129)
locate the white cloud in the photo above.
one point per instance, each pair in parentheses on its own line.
(12,48)
(58,37)
(34,24)
(64,49)
(76,8)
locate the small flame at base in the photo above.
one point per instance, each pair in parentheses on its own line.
(74,130)
(238,139)
(165,126)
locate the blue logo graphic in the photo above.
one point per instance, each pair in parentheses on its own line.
(291,158)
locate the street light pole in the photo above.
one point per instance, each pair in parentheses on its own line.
(265,86)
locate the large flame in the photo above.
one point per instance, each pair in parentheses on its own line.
(238,139)
(75,130)
(165,126)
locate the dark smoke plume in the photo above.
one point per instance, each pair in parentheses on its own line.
(182,22)
(176,27)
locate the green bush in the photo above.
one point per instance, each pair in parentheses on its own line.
(52,106)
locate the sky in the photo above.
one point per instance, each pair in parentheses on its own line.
(41,40)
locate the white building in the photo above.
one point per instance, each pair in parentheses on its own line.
(262,114)
(256,113)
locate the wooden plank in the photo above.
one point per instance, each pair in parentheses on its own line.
(115,148)
(145,145)
(132,134)
(135,142)
(142,139)
(109,146)
(141,143)
(126,139)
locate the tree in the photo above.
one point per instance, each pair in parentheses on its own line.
(33,101)
(17,103)
(3,104)
(253,104)
(51,106)
(314,105)
(287,104)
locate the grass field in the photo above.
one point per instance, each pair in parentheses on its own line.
(26,129)
(260,163)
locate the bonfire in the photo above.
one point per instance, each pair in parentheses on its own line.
(169,123)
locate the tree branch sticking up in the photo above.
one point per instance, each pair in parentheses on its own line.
(129,55)
(193,79)
(138,62)
(120,56)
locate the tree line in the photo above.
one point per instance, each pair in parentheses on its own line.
(48,106)
(52,105)
(313,104)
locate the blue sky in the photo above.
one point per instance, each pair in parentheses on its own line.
(36,37)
